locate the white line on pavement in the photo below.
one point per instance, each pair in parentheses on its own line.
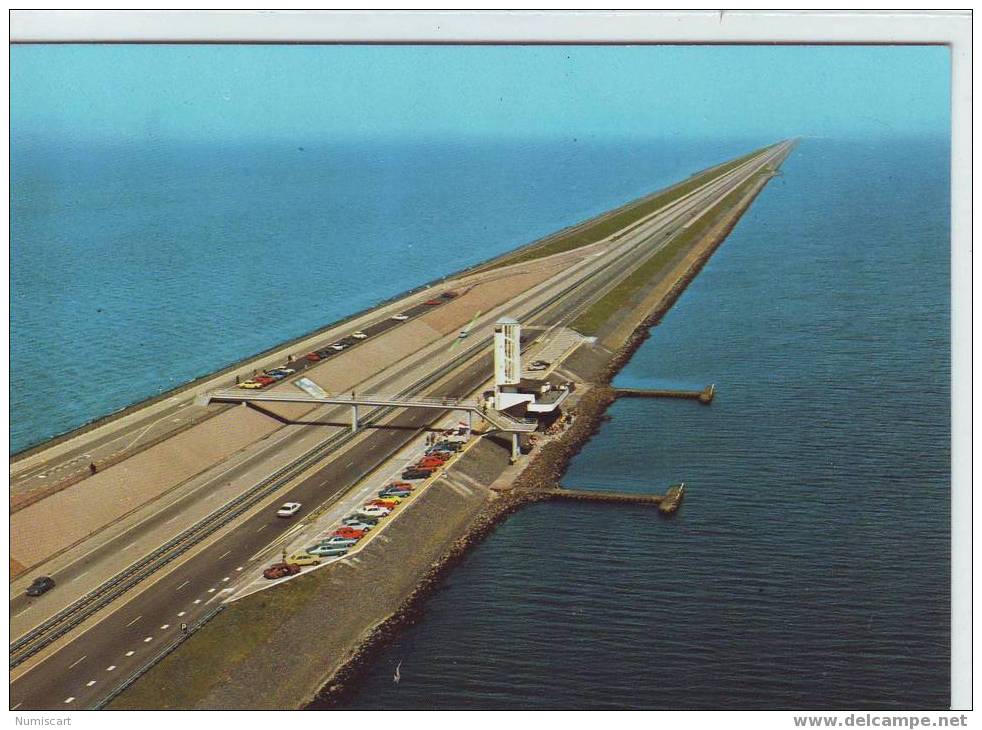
(148,640)
(227,552)
(134,621)
(182,585)
(181,613)
(90,683)
(110,668)
(197,600)
(76,662)
(130,653)
(69,700)
(165,627)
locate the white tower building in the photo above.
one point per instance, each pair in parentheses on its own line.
(507,352)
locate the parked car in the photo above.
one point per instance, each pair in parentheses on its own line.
(41,584)
(429,463)
(359,335)
(303,559)
(388,503)
(328,551)
(539,365)
(417,473)
(447,446)
(373,511)
(275,374)
(399,317)
(356,523)
(281,570)
(338,346)
(288,371)
(250,385)
(449,295)
(400,485)
(338,541)
(348,532)
(288,509)
(389,492)
(313,356)
(265,379)
(432,302)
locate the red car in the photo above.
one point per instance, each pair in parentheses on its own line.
(313,356)
(281,570)
(432,302)
(401,485)
(348,532)
(429,464)
(265,380)
(387,503)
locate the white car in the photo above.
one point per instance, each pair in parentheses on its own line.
(400,317)
(337,346)
(359,335)
(374,511)
(288,509)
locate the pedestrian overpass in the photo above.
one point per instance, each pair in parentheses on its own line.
(498,420)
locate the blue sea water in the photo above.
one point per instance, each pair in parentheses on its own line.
(808,567)
(137,267)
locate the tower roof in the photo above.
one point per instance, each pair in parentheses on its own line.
(507,320)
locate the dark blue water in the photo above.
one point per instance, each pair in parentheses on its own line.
(137,267)
(809,564)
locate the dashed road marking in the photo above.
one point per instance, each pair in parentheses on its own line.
(225,580)
(75,662)
(69,700)
(227,552)
(182,585)
(130,653)
(20,612)
(111,668)
(262,528)
(134,621)
(165,627)
(17,705)
(90,683)
(197,600)
(211,590)
(239,568)
(148,640)
(181,613)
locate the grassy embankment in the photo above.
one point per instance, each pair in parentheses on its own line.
(608,223)
(591,320)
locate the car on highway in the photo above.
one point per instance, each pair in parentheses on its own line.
(250,385)
(373,511)
(463,335)
(281,570)
(41,584)
(417,473)
(328,551)
(539,365)
(303,559)
(338,346)
(359,335)
(313,356)
(288,509)
(399,317)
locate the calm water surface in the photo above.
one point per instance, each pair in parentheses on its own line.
(809,564)
(136,268)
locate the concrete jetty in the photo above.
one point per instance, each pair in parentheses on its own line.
(704,396)
(666,503)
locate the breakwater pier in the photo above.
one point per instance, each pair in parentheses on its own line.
(666,503)
(704,396)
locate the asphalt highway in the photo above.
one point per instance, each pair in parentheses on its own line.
(79,673)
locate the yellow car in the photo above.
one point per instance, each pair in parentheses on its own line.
(304,559)
(250,385)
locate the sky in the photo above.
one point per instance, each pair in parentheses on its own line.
(230,93)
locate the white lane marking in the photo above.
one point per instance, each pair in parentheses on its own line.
(224,580)
(197,600)
(130,653)
(76,662)
(148,640)
(262,528)
(182,585)
(181,613)
(172,519)
(69,700)
(81,574)
(211,590)
(29,608)
(350,463)
(130,545)
(90,683)
(17,705)
(110,668)
(239,568)
(134,621)
(227,552)
(165,627)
